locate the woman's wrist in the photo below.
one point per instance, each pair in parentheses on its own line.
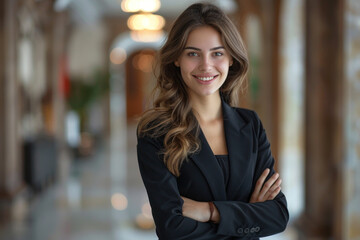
(214,213)
(211,208)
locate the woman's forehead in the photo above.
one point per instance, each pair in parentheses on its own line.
(204,38)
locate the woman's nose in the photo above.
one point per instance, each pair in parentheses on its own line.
(205,63)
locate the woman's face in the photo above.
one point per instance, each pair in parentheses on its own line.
(204,63)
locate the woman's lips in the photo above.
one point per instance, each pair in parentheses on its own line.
(205,79)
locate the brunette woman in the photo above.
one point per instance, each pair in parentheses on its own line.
(207,165)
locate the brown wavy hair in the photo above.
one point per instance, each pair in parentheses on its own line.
(171,116)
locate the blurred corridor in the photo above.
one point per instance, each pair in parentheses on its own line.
(76,74)
(95,198)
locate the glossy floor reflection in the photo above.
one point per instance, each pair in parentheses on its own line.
(80,207)
(99,197)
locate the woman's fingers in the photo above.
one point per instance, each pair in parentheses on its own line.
(266,190)
(266,187)
(274,193)
(261,180)
(258,186)
(274,190)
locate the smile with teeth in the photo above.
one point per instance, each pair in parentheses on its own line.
(205,78)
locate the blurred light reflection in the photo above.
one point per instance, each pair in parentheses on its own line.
(146,210)
(74,191)
(118,55)
(119,201)
(143,62)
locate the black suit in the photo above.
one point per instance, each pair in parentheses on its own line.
(201,179)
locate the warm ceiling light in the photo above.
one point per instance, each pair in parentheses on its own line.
(146,21)
(140,5)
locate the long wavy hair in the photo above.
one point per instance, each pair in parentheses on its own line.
(171,116)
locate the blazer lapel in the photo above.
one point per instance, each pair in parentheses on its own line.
(239,140)
(207,163)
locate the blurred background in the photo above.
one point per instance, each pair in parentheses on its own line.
(76,74)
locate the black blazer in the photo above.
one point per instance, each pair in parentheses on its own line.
(201,179)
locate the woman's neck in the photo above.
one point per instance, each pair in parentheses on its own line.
(207,109)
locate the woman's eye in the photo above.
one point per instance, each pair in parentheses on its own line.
(218,54)
(192,54)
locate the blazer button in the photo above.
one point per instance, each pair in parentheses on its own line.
(247,230)
(240,230)
(257,229)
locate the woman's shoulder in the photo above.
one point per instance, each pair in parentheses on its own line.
(249,115)
(246,113)
(150,132)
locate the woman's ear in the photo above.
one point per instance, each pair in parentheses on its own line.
(231,62)
(177,63)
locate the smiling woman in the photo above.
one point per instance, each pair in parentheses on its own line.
(207,165)
(204,63)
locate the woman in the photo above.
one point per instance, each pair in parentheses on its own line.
(207,166)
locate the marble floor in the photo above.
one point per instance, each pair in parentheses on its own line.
(99,197)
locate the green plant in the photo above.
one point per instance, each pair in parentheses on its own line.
(84,92)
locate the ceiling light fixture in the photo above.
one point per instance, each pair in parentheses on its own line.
(140,5)
(145,21)
(144,25)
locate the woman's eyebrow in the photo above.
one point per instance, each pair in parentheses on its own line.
(198,49)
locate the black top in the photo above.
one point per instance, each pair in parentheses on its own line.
(223,161)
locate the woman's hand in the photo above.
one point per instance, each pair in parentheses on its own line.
(268,190)
(199,211)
